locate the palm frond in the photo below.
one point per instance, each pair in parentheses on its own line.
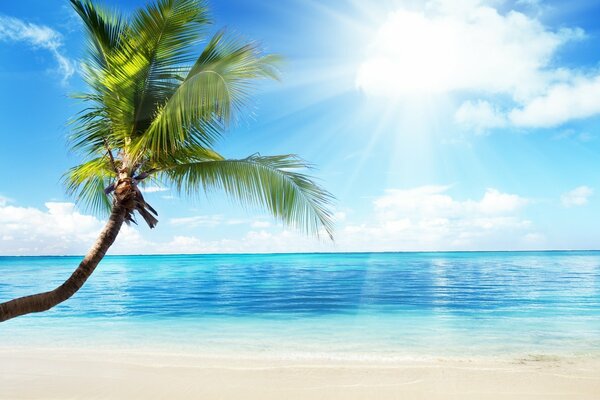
(271,182)
(217,86)
(92,127)
(164,34)
(87,181)
(184,155)
(104,27)
(103,70)
(160,111)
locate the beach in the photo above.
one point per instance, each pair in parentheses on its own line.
(354,200)
(309,326)
(79,374)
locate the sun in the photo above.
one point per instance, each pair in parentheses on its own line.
(411,54)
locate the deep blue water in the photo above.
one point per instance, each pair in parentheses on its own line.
(373,304)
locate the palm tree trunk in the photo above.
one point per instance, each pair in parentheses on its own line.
(44,301)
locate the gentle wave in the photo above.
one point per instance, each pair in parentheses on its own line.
(380,302)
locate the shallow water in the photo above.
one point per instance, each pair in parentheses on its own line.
(339,305)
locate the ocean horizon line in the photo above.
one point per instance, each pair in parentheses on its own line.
(313,253)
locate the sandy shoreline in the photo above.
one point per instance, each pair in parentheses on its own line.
(102,374)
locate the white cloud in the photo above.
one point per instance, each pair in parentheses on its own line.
(421,218)
(59,229)
(433,202)
(38,36)
(428,218)
(575,97)
(153,189)
(574,134)
(530,3)
(479,115)
(198,220)
(216,220)
(560,103)
(339,216)
(254,241)
(261,224)
(577,197)
(451,46)
(502,62)
(495,202)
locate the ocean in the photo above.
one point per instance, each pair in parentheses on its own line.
(348,305)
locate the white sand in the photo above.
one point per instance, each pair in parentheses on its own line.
(104,374)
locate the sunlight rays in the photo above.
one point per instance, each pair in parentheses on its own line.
(400,133)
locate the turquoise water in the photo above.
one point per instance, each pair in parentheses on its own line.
(363,305)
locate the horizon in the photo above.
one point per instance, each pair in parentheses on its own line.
(409,212)
(428,147)
(308,253)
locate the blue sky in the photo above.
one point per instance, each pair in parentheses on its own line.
(438,125)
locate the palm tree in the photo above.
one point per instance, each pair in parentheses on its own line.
(153,112)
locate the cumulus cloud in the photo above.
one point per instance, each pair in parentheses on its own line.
(530,3)
(59,229)
(38,36)
(253,241)
(198,221)
(503,62)
(480,116)
(560,103)
(421,218)
(571,99)
(261,224)
(451,46)
(433,201)
(428,218)
(214,220)
(577,197)
(339,216)
(153,189)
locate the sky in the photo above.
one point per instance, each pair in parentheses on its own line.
(438,125)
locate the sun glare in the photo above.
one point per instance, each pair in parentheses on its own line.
(409,54)
(460,49)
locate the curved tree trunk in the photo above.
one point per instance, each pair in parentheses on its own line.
(44,301)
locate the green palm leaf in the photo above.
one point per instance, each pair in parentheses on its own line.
(163,33)
(217,86)
(267,182)
(159,111)
(87,182)
(105,30)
